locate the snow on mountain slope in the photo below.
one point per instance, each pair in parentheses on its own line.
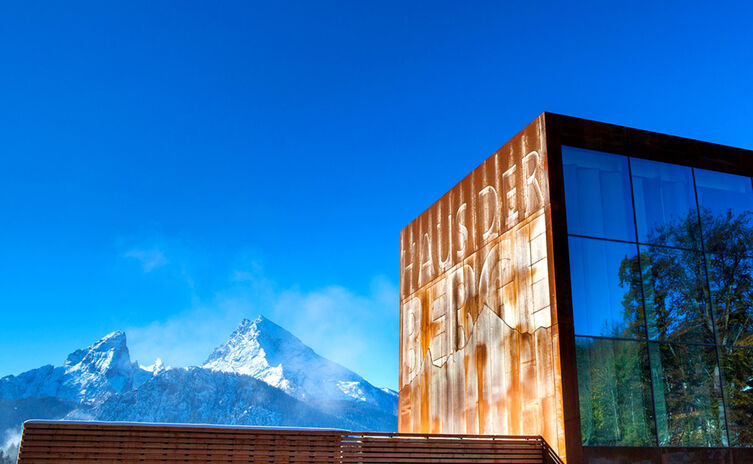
(89,375)
(196,395)
(263,375)
(268,352)
(103,368)
(243,353)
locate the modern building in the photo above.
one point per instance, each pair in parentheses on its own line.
(592,284)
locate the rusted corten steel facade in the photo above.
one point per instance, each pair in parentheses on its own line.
(479,340)
(487,344)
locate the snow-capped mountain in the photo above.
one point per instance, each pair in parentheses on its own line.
(243,353)
(196,395)
(266,351)
(262,375)
(89,376)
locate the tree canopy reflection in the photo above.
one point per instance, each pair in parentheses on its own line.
(691,302)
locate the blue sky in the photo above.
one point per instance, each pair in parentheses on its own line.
(168,168)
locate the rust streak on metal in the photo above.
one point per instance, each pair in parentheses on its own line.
(476,303)
(482,406)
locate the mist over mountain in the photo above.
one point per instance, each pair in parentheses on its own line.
(262,375)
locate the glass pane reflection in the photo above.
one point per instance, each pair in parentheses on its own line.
(597,194)
(726,202)
(690,289)
(676,295)
(737,368)
(615,399)
(687,395)
(665,207)
(606,288)
(731,283)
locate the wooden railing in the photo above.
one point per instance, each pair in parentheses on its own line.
(97,442)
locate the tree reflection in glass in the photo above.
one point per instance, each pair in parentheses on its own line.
(615,398)
(670,298)
(681,308)
(737,368)
(687,395)
(677,299)
(727,201)
(730,271)
(678,302)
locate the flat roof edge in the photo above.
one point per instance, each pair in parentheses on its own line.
(179,424)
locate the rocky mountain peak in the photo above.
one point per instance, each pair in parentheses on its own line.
(269,353)
(248,351)
(89,375)
(235,386)
(110,352)
(103,367)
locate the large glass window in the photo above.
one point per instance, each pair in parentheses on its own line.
(615,399)
(661,266)
(597,194)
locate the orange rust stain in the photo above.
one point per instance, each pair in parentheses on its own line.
(424,392)
(405,407)
(483,407)
(466,361)
(436,425)
(425,322)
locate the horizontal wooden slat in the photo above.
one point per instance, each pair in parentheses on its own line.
(81,442)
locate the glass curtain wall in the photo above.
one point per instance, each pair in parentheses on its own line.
(661,264)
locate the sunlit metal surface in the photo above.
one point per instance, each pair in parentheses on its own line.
(478,339)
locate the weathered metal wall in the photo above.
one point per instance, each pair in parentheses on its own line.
(478,335)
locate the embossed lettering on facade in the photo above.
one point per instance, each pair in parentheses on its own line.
(476,337)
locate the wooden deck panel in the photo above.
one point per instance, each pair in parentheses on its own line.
(52,442)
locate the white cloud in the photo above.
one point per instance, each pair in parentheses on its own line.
(339,324)
(150,259)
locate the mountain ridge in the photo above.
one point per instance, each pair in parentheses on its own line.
(261,375)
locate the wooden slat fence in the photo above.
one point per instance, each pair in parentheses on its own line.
(57,442)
